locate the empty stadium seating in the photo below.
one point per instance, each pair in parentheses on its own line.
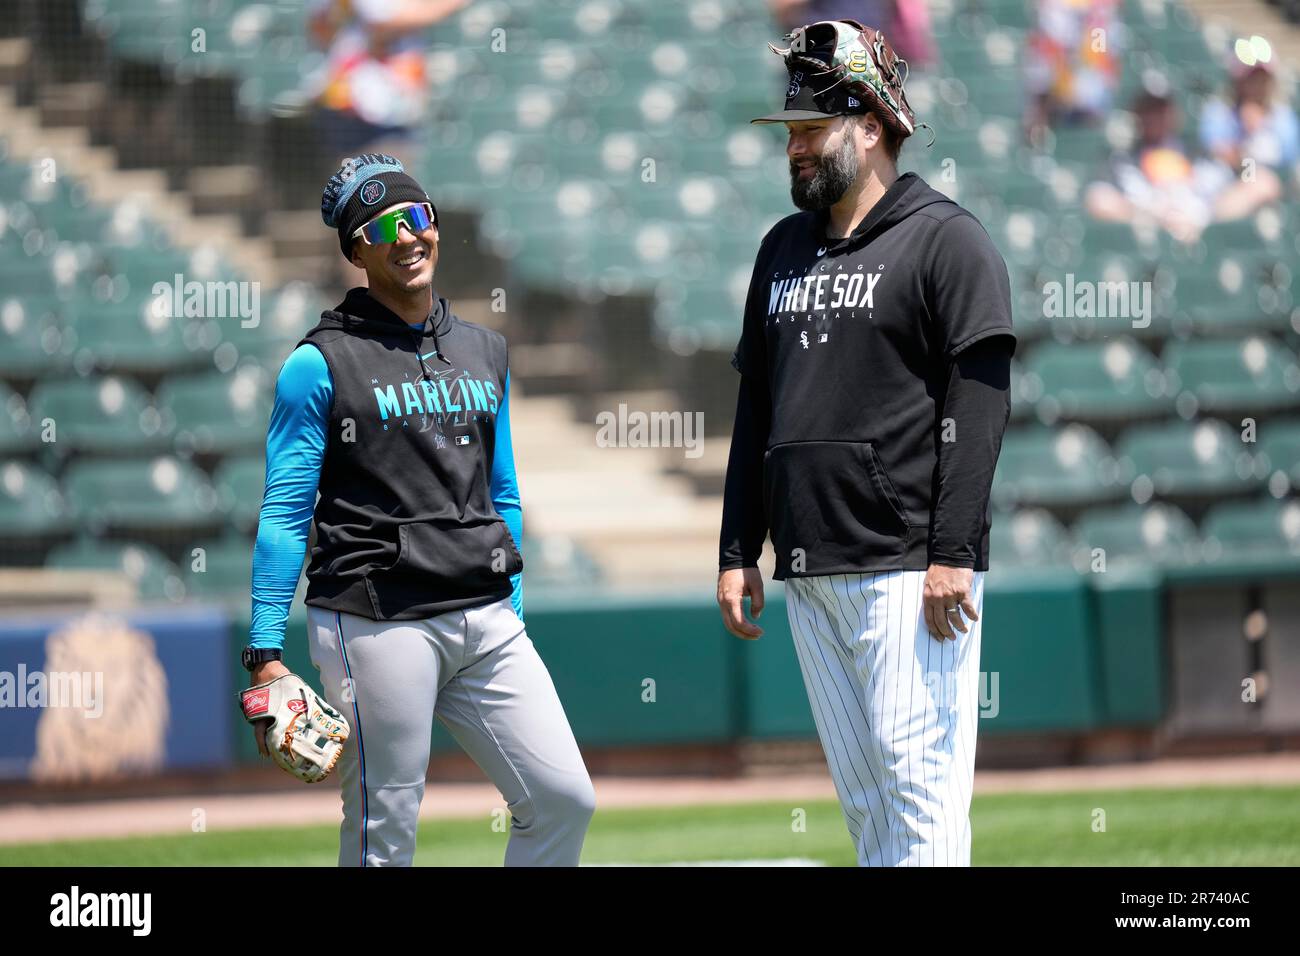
(628,165)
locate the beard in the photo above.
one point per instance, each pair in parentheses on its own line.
(834,173)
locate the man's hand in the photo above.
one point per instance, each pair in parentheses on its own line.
(733,586)
(262,673)
(946,595)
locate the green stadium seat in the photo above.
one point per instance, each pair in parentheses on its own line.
(226,571)
(1253,375)
(24,274)
(1237,293)
(240,483)
(165,494)
(1030,537)
(286,316)
(1156,534)
(1056,466)
(1253,530)
(31,338)
(133,336)
(155,578)
(1105,381)
(1189,459)
(108,415)
(212,412)
(1024,393)
(1279,447)
(16,432)
(30,503)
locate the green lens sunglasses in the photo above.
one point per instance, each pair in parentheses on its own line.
(384,228)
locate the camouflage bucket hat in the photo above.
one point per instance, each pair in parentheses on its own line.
(841,66)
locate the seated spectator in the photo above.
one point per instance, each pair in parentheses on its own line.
(372,90)
(1072,64)
(1252,136)
(1157,180)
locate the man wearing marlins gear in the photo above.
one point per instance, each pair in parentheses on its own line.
(875,363)
(397,412)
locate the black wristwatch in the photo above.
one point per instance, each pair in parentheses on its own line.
(253,656)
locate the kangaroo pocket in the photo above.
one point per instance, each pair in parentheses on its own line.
(831,507)
(449,559)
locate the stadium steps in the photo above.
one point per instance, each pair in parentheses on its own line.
(95,166)
(71,104)
(15,53)
(640,524)
(302,247)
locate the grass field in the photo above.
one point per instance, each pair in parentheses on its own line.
(1215,826)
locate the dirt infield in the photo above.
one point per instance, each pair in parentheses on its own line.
(26,822)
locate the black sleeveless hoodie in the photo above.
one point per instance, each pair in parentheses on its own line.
(405,526)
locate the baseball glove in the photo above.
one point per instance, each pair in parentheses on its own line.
(303,733)
(837,52)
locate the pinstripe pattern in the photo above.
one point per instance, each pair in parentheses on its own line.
(896,712)
(356,727)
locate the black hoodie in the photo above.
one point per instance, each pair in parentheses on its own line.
(405,524)
(848,353)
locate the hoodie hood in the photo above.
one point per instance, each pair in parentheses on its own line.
(908,194)
(360,314)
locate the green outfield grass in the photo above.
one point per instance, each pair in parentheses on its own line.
(1210,826)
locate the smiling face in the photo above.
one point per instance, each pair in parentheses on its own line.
(824,160)
(404,266)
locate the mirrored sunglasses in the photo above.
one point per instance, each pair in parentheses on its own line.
(384,228)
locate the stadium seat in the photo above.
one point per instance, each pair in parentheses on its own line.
(1237,294)
(1109,381)
(108,415)
(30,503)
(30,337)
(212,412)
(133,337)
(16,432)
(240,483)
(1056,466)
(155,577)
(1156,534)
(1030,537)
(1189,458)
(226,571)
(1253,375)
(1279,447)
(1253,530)
(163,494)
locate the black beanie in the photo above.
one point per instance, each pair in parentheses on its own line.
(363,187)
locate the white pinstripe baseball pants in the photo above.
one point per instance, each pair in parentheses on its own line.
(896,710)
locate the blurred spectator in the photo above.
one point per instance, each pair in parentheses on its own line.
(1253,137)
(373,88)
(1072,67)
(1157,180)
(905,23)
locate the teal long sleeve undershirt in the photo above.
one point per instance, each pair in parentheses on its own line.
(295,449)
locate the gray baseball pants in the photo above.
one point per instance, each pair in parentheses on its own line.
(477,671)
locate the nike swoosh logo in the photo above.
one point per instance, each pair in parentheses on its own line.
(821,251)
